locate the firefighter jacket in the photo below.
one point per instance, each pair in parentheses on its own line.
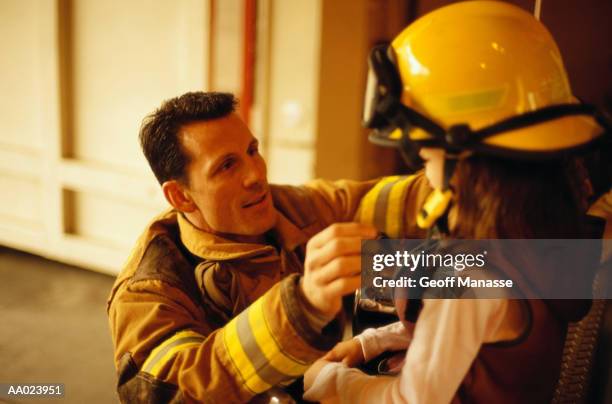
(198,318)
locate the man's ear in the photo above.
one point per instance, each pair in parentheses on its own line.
(176,194)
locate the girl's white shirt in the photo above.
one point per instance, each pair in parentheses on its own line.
(441,349)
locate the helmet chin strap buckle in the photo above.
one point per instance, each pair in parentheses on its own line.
(435,206)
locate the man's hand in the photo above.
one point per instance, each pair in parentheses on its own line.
(332,267)
(348,352)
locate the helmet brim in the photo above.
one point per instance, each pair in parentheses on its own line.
(548,138)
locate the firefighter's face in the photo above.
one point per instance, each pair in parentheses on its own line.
(227,176)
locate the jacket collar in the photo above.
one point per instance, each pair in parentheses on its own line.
(212,247)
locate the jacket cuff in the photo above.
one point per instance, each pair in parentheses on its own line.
(315,318)
(306,323)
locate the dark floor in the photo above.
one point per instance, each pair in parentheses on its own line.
(54,328)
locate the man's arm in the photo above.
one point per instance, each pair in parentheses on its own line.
(377,202)
(393,203)
(337,201)
(165,349)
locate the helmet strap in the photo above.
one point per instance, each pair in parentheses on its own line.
(450,163)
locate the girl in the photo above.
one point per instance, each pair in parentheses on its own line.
(480,88)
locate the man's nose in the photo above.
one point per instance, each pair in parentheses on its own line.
(255,175)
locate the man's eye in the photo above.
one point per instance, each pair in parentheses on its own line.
(253,150)
(227,165)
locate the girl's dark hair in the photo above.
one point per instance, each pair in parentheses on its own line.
(499,198)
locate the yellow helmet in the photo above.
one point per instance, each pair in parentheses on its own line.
(476,77)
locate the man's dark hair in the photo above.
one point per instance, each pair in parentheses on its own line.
(159,131)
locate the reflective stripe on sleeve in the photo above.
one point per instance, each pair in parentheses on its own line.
(383,205)
(255,352)
(164,352)
(367,207)
(394,217)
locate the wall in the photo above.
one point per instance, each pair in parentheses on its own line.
(80,76)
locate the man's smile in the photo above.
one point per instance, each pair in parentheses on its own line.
(257,201)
